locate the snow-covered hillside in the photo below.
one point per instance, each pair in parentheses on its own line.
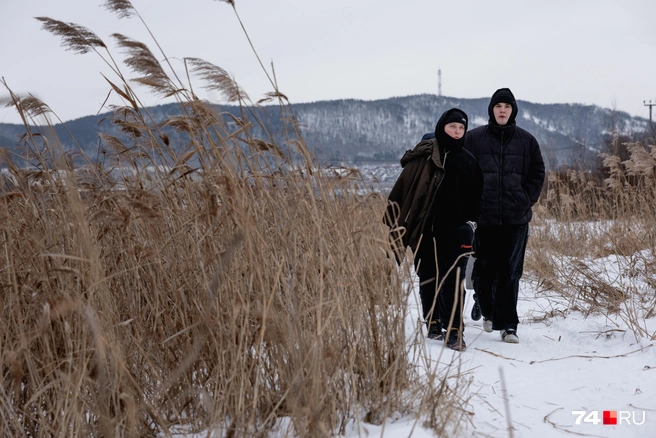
(356,130)
(383,129)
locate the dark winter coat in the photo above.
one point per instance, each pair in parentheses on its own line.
(513,170)
(436,192)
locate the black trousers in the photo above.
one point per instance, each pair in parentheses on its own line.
(432,270)
(497,270)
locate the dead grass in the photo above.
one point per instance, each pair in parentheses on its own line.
(224,283)
(593,243)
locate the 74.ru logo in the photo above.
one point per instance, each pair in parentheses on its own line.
(609,418)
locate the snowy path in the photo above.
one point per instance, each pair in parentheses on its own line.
(563,363)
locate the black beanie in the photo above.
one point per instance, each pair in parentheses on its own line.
(456,116)
(503,95)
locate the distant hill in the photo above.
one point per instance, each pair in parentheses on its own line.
(351,131)
(385,128)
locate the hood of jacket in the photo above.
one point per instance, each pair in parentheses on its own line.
(506,96)
(426,149)
(444,140)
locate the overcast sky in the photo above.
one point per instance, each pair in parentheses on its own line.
(599,52)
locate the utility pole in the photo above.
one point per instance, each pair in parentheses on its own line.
(650,104)
(439,83)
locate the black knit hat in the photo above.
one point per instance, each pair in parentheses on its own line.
(503,95)
(456,116)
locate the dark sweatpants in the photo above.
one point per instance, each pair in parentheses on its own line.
(497,270)
(447,252)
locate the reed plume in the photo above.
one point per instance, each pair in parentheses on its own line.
(77,38)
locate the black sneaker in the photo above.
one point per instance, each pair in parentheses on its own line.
(456,341)
(435,330)
(476,309)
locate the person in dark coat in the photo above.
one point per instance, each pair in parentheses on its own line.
(513,170)
(433,208)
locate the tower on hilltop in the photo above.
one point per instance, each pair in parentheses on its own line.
(439,81)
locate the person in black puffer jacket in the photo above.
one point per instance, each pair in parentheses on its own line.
(514,172)
(435,203)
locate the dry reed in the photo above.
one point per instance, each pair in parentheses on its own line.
(593,240)
(220,284)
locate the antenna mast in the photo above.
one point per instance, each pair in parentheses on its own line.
(439,82)
(651,127)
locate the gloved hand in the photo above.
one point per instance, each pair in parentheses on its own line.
(464,237)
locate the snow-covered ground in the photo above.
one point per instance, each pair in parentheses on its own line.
(564,362)
(566,372)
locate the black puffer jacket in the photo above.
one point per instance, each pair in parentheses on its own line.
(430,196)
(512,166)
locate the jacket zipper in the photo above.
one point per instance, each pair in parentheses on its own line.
(501,181)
